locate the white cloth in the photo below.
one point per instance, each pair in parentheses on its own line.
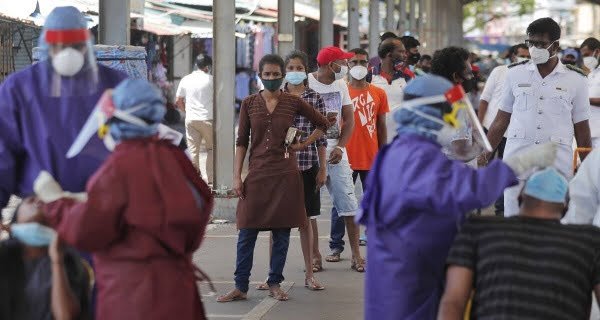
(594,82)
(584,191)
(395,94)
(197,89)
(492,93)
(543,110)
(334,95)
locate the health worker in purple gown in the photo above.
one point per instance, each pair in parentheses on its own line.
(44,107)
(417,199)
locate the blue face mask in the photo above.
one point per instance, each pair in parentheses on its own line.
(33,234)
(295,77)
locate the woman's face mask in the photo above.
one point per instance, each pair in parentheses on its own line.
(33,234)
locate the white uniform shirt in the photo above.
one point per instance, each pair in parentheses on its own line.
(334,95)
(197,89)
(594,82)
(492,93)
(584,191)
(544,109)
(395,94)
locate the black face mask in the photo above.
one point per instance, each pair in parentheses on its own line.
(569,62)
(414,58)
(426,69)
(469,85)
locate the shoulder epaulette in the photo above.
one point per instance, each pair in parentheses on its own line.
(518,63)
(574,68)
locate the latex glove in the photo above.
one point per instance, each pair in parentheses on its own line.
(48,190)
(539,156)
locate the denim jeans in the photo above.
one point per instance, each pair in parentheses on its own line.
(245,256)
(337,232)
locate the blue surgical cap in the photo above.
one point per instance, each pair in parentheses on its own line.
(427,86)
(61,18)
(133,93)
(547,185)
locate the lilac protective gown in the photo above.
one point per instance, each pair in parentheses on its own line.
(416,201)
(36,131)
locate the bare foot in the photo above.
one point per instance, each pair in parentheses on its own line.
(278,294)
(233,295)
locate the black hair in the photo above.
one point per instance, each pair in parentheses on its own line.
(515,49)
(12,278)
(360,51)
(203,61)
(271,59)
(386,48)
(592,43)
(448,61)
(544,26)
(297,54)
(387,35)
(425,57)
(410,42)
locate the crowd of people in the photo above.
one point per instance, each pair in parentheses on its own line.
(403,123)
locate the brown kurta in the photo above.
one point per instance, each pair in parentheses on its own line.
(273,189)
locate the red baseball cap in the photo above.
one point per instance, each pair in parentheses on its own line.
(330,54)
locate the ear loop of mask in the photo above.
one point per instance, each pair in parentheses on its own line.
(122,115)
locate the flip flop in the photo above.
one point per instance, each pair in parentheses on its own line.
(279,294)
(262,286)
(333,257)
(317,265)
(358,265)
(313,284)
(232,296)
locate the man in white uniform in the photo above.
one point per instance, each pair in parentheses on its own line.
(543,101)
(195,97)
(590,50)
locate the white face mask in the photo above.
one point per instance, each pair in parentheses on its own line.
(540,56)
(590,62)
(521,59)
(343,72)
(68,62)
(359,72)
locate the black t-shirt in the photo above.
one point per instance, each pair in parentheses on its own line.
(526,268)
(25,286)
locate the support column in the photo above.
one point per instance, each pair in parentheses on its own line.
(285,27)
(412,16)
(353,34)
(113,25)
(390,21)
(421,21)
(403,23)
(373,27)
(224,91)
(326,23)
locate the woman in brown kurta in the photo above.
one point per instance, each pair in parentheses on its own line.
(271,197)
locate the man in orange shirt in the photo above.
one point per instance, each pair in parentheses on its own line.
(370,106)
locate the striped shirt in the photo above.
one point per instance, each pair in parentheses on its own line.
(309,157)
(527,268)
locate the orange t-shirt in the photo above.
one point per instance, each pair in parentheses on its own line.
(368,103)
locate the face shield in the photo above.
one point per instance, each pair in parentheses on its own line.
(72,68)
(461,134)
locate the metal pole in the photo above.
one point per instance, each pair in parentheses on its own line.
(353,35)
(389,16)
(224,91)
(113,24)
(373,27)
(412,15)
(285,17)
(326,23)
(403,17)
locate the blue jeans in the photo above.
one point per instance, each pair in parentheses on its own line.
(245,256)
(337,232)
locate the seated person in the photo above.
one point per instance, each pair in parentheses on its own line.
(527,266)
(39,279)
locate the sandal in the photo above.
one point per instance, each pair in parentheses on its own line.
(278,294)
(317,265)
(263,286)
(313,284)
(233,295)
(358,265)
(333,257)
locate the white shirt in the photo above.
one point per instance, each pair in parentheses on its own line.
(544,109)
(395,94)
(197,89)
(584,191)
(594,82)
(492,94)
(334,95)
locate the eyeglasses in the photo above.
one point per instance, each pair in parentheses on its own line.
(358,62)
(538,44)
